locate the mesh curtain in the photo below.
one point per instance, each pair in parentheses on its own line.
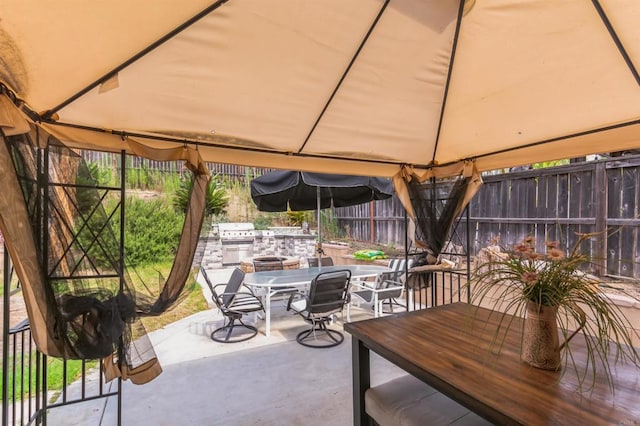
(60,230)
(434,204)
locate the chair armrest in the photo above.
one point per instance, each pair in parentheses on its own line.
(362,286)
(249,289)
(389,285)
(298,295)
(393,283)
(389,292)
(219,285)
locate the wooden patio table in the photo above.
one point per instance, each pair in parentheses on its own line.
(452,349)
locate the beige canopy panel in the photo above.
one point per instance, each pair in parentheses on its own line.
(349,86)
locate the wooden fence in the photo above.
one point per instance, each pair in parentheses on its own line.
(385,218)
(229,171)
(550,204)
(556,203)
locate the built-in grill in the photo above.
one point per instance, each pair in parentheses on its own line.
(237,241)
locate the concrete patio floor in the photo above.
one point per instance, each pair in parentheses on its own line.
(263,381)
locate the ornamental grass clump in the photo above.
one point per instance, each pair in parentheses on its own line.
(519,279)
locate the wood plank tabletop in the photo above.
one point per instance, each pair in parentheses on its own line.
(454,349)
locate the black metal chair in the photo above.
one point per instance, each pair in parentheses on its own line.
(273,264)
(324,261)
(268,264)
(328,294)
(233,305)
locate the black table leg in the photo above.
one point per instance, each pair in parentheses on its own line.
(361,380)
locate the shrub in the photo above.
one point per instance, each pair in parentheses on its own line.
(296,218)
(100,175)
(216,196)
(262,222)
(152,231)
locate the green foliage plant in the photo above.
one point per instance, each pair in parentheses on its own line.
(216,200)
(171,182)
(262,222)
(101,176)
(330,226)
(152,231)
(510,280)
(553,163)
(296,218)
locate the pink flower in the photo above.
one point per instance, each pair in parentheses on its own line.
(522,248)
(555,254)
(532,256)
(529,277)
(552,244)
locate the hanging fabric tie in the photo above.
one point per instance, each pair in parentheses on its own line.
(434,204)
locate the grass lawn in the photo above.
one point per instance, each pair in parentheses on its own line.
(14,282)
(193,300)
(55,375)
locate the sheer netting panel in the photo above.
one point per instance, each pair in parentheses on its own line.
(435,205)
(84,219)
(25,159)
(95,303)
(88,305)
(22,224)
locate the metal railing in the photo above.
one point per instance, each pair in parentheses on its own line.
(20,401)
(437,287)
(26,391)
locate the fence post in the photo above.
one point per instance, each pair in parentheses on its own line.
(372,227)
(600,200)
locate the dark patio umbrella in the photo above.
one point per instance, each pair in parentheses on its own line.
(276,191)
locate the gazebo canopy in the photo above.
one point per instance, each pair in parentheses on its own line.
(338,86)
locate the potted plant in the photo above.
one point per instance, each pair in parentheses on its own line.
(548,289)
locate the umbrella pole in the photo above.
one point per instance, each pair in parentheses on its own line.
(319,243)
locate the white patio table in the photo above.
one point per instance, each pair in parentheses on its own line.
(267,283)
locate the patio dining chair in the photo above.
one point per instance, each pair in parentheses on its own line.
(328,294)
(273,264)
(234,302)
(323,261)
(385,290)
(268,264)
(398,276)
